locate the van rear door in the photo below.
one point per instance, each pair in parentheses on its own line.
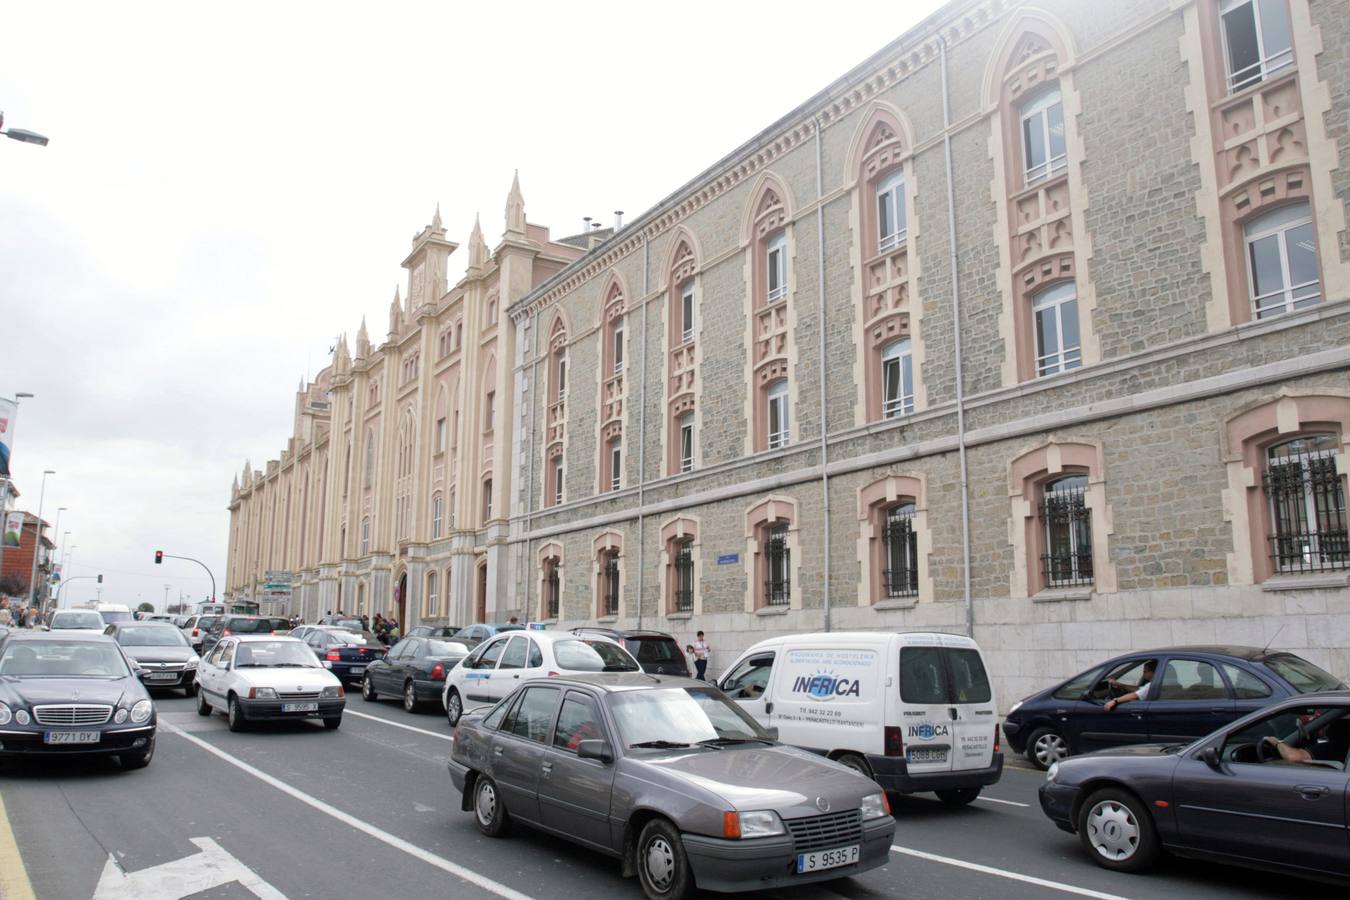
(925,715)
(974,715)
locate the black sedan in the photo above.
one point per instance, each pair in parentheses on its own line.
(1269,791)
(1196,690)
(68,694)
(415,670)
(165,657)
(345,653)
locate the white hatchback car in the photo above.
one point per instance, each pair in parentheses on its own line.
(263,676)
(75,621)
(499,664)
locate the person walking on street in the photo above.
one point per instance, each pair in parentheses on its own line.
(700,649)
(6,617)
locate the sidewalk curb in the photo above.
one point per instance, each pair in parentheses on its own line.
(14,883)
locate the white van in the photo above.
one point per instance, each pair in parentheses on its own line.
(114,612)
(914,711)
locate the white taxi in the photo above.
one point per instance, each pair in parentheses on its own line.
(262,676)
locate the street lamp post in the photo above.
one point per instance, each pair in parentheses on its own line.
(56,551)
(37,541)
(22,135)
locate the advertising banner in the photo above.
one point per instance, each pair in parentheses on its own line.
(13,529)
(8,410)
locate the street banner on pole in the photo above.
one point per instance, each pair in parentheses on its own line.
(13,529)
(9,409)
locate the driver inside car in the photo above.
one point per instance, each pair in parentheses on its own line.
(1330,744)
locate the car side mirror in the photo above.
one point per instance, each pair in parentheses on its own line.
(772,732)
(1210,755)
(595,749)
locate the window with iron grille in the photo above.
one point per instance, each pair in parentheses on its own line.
(778,557)
(552,588)
(1067,561)
(684,576)
(901,543)
(611,582)
(1307,506)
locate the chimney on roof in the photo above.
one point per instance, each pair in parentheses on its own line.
(587,226)
(618,220)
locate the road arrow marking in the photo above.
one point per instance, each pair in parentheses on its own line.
(212,867)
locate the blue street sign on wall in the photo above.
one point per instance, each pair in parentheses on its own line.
(727,559)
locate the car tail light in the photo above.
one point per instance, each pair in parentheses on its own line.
(731,826)
(895,744)
(196,632)
(996,735)
(227,633)
(437,672)
(333,656)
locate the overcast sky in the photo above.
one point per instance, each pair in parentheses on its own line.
(228,187)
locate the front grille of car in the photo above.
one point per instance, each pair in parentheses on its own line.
(298,695)
(158,666)
(71,714)
(827,831)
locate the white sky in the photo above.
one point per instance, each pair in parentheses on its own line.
(228,187)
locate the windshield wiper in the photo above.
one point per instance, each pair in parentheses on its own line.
(618,669)
(289,666)
(658,745)
(250,665)
(720,741)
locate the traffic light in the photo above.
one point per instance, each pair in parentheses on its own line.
(159,557)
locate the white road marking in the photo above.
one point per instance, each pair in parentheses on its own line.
(1005,802)
(1004,873)
(384,721)
(212,867)
(379,834)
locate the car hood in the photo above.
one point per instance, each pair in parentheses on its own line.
(761,776)
(1133,750)
(46,689)
(160,654)
(286,679)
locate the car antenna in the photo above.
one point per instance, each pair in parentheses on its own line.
(1272,639)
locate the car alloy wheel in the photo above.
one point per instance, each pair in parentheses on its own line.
(368,689)
(454,708)
(1112,830)
(1047,748)
(235,715)
(409,698)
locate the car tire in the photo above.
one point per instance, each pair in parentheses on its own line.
(454,707)
(1045,747)
(662,865)
(1117,831)
(856,763)
(410,701)
(203,708)
(333,723)
(235,714)
(137,760)
(489,810)
(368,691)
(958,796)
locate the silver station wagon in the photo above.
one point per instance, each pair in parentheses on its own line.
(673,779)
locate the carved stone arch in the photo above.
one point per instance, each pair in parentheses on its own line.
(1028,41)
(770,207)
(557,332)
(684,256)
(614,292)
(884,136)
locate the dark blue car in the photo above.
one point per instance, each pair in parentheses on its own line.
(1197,690)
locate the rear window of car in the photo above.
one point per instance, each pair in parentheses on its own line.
(593,656)
(654,649)
(249,626)
(1305,677)
(932,676)
(206,621)
(76,620)
(354,638)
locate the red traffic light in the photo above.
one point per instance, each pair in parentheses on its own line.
(159,557)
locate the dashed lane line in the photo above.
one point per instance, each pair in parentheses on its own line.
(379,834)
(1004,873)
(1004,802)
(383,720)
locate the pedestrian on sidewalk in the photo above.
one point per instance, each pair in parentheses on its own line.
(700,649)
(6,617)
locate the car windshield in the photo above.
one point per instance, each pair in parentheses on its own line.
(355,638)
(674,717)
(63,659)
(446,648)
(655,649)
(1303,675)
(77,620)
(349,624)
(110,616)
(249,626)
(593,656)
(151,636)
(274,654)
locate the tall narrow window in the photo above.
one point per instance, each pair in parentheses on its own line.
(687,311)
(432,599)
(552,589)
(1067,561)
(901,575)
(437,516)
(778,414)
(562,376)
(557,481)
(1256,40)
(615,465)
(1307,506)
(897,379)
(370,458)
(778,556)
(891,224)
(1043,149)
(489,410)
(1055,311)
(440,434)
(777,267)
(487,499)
(611,583)
(686,423)
(365,536)
(684,575)
(618,346)
(1282,261)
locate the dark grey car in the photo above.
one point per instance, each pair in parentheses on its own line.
(165,657)
(1269,791)
(673,779)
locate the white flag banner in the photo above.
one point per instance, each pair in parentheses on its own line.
(13,529)
(9,409)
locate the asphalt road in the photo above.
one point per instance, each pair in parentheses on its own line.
(369,809)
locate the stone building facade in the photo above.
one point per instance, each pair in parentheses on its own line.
(1034,325)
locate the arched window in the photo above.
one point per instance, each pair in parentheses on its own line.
(1307,505)
(1055,320)
(437,516)
(897,379)
(1043,149)
(682,384)
(1067,560)
(487,500)
(771,539)
(459,333)
(776,396)
(613,384)
(433,599)
(365,536)
(1282,270)
(370,458)
(556,434)
(552,599)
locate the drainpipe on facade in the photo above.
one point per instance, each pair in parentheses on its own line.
(526,564)
(824,431)
(642,434)
(956,335)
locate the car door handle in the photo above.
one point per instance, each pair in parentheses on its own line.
(496,751)
(1311,791)
(1219,709)
(548,769)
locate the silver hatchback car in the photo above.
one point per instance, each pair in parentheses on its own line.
(673,779)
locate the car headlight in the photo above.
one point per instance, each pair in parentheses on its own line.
(120,716)
(263,693)
(332,692)
(761,823)
(1015,707)
(22,717)
(141,711)
(5,714)
(874,806)
(1051,772)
